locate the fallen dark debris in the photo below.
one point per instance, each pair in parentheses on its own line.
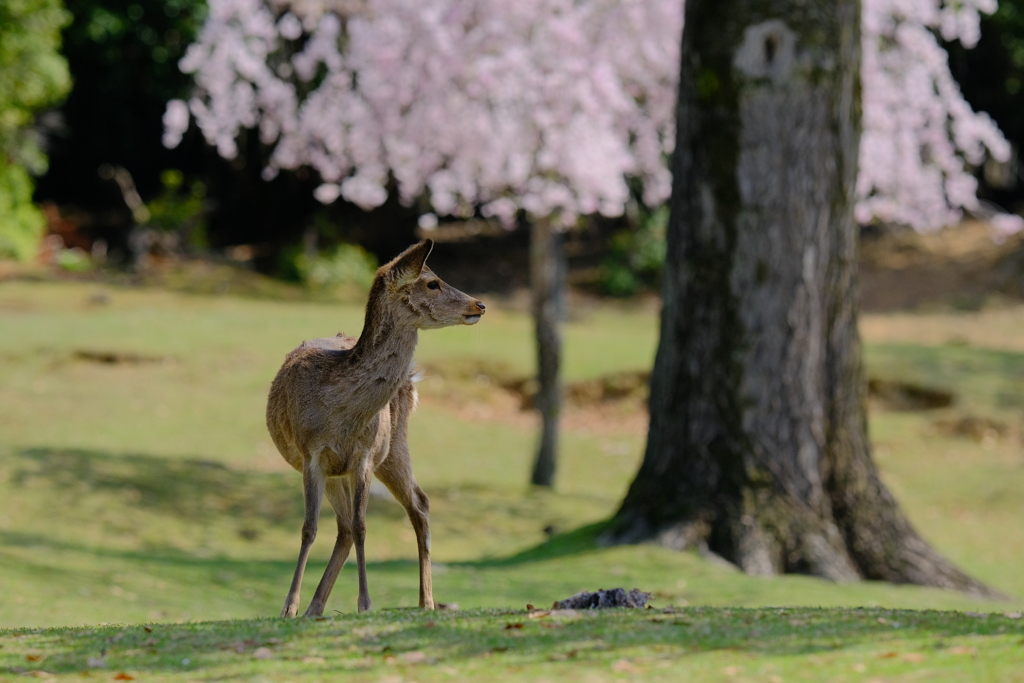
(603,599)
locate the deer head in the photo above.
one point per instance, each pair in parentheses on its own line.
(418,298)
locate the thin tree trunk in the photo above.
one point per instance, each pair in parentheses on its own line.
(758,445)
(546,283)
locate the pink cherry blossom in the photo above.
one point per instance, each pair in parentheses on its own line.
(547,106)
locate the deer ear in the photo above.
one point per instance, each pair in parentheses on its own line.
(408,265)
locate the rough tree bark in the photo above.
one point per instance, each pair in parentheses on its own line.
(758,444)
(547,285)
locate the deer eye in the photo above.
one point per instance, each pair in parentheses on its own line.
(433,284)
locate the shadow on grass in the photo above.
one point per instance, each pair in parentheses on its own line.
(190,489)
(988,377)
(575,542)
(199,491)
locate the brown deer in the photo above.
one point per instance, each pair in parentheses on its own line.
(338,412)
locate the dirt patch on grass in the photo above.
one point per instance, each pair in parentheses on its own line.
(979,429)
(478,389)
(896,395)
(959,267)
(118,357)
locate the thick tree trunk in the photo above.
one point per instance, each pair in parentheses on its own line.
(547,285)
(758,444)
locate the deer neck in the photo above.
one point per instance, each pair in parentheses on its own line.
(382,356)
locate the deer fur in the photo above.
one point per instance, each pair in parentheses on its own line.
(338,412)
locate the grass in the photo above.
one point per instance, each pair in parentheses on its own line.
(146,490)
(510,645)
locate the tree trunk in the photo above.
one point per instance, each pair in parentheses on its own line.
(758,445)
(547,282)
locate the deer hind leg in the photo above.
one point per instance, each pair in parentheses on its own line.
(396,474)
(313,493)
(361,499)
(339,493)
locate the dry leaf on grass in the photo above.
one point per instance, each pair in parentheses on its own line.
(34,658)
(262,653)
(913,657)
(511,626)
(962,650)
(122,676)
(888,655)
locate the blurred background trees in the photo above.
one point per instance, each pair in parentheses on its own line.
(33,75)
(124,58)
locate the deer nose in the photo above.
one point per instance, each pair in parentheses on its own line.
(480,305)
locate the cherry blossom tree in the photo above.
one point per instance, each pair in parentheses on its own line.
(920,136)
(539,109)
(545,110)
(505,106)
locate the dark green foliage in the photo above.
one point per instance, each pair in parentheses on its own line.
(636,257)
(32,76)
(123,56)
(326,261)
(180,208)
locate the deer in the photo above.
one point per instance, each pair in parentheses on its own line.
(338,412)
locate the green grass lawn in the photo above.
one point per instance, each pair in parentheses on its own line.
(147,490)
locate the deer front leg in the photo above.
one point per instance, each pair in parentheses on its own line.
(396,474)
(339,493)
(419,515)
(362,498)
(313,492)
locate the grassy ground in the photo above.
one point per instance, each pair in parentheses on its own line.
(137,484)
(770,645)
